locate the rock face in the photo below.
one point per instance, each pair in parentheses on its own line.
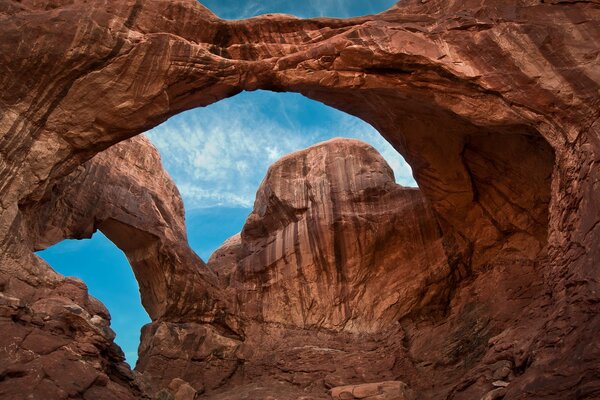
(493,103)
(379,391)
(125,193)
(333,242)
(333,245)
(56,340)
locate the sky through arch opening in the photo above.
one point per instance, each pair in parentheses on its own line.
(108,275)
(218,155)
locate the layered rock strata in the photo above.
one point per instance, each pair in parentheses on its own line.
(333,245)
(56,340)
(494,104)
(125,193)
(333,242)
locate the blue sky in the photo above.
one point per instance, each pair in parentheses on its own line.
(106,272)
(237,9)
(218,156)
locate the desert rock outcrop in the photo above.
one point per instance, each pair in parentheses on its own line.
(374,391)
(495,105)
(125,193)
(333,245)
(333,242)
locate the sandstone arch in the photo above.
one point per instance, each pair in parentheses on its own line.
(447,83)
(125,193)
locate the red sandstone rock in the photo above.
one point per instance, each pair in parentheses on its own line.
(394,390)
(494,104)
(333,242)
(125,193)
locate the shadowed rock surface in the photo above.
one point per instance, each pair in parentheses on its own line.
(333,246)
(494,104)
(380,391)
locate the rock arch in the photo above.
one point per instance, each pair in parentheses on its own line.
(125,193)
(496,125)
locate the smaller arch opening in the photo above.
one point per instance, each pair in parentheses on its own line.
(109,278)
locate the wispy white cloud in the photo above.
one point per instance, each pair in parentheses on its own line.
(253,8)
(218,155)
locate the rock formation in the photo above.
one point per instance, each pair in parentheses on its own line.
(494,104)
(379,391)
(333,242)
(125,193)
(56,339)
(333,245)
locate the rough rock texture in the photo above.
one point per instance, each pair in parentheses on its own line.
(393,390)
(495,104)
(333,242)
(125,193)
(56,339)
(333,245)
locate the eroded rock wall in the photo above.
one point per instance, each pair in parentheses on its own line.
(68,348)
(333,242)
(125,193)
(494,104)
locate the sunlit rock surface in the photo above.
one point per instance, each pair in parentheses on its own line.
(333,242)
(125,193)
(495,105)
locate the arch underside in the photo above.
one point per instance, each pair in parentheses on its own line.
(496,116)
